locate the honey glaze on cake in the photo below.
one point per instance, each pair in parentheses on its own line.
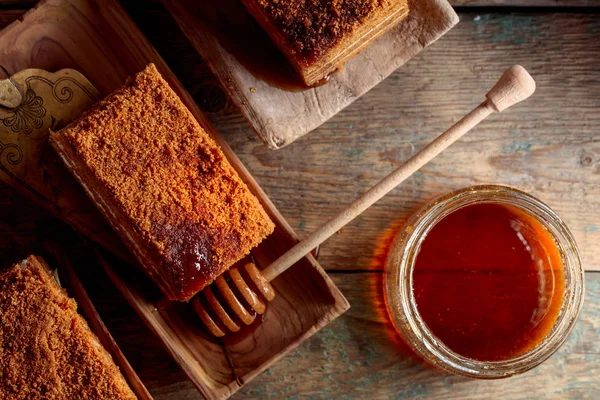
(47,350)
(180,194)
(312,27)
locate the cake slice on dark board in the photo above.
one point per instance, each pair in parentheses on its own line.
(47,350)
(319,36)
(163,184)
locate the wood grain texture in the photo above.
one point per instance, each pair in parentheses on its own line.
(357,356)
(548,145)
(43,101)
(98,39)
(515,85)
(360,356)
(252,74)
(69,280)
(41,240)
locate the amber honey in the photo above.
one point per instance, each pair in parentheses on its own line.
(484,282)
(488,281)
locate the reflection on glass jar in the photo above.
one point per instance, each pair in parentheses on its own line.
(484,282)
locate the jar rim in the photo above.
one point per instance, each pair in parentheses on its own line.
(401,303)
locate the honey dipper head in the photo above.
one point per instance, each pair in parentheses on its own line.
(514,86)
(230,302)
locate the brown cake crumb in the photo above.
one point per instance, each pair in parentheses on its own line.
(318,37)
(47,350)
(312,27)
(164,185)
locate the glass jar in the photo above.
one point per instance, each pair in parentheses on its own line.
(402,307)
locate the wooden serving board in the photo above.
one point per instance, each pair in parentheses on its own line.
(262,85)
(58,261)
(31,102)
(97,38)
(69,280)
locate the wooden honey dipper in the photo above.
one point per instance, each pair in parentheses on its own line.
(514,86)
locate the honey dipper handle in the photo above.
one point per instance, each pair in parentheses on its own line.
(514,86)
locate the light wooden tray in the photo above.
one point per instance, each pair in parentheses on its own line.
(97,38)
(262,86)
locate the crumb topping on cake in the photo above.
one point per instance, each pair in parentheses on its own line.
(171,180)
(314,26)
(46,348)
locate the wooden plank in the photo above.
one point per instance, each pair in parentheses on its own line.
(259,83)
(318,175)
(98,39)
(69,280)
(320,167)
(547,146)
(38,101)
(361,356)
(26,229)
(357,356)
(315,177)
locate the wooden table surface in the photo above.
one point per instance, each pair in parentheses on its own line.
(548,146)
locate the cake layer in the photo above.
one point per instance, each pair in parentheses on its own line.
(163,184)
(47,350)
(319,36)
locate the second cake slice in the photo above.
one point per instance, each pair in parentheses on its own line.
(319,36)
(163,184)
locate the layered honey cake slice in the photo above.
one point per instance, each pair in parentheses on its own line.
(163,184)
(47,350)
(319,36)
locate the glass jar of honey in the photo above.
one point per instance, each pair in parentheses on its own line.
(484,282)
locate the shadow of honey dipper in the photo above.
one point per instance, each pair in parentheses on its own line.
(514,85)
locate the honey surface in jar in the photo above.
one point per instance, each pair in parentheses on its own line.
(488,281)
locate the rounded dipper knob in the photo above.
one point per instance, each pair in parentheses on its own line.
(514,85)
